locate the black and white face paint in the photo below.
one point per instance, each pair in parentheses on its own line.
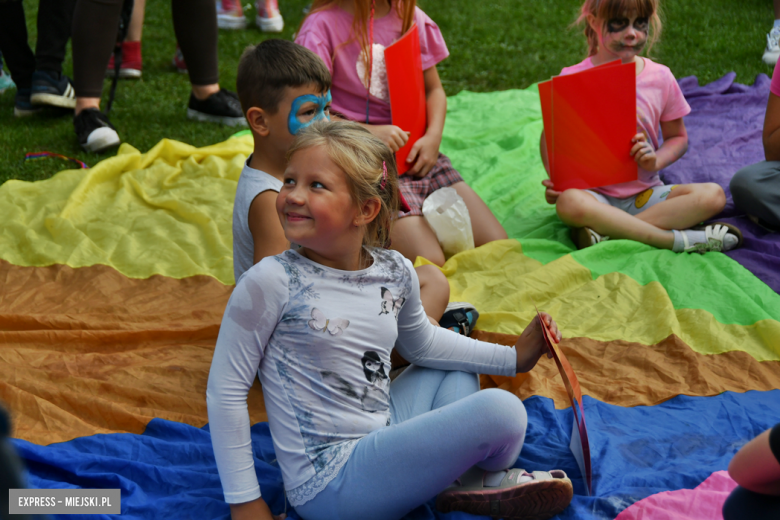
(625,36)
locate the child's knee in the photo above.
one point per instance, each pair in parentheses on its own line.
(432,278)
(504,412)
(713,197)
(742,186)
(571,207)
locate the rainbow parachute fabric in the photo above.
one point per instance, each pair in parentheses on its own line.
(114,280)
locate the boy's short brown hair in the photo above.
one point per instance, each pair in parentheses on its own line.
(267,68)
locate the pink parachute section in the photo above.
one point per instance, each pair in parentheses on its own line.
(705,502)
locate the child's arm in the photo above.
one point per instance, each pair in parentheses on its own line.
(755,467)
(425,152)
(422,343)
(549,193)
(267,233)
(674,146)
(251,315)
(254,510)
(771,135)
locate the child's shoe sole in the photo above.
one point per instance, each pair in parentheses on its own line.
(124,73)
(531,501)
(53,100)
(270,25)
(231,22)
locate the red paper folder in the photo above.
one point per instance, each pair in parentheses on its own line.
(407,91)
(580,445)
(589,127)
(545,99)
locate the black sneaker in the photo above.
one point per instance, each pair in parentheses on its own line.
(459,317)
(22,105)
(222,107)
(95,131)
(48,90)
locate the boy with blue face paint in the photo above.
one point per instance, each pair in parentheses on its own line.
(284,87)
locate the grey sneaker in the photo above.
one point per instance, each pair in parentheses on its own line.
(772,51)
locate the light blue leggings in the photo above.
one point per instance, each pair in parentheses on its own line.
(442,425)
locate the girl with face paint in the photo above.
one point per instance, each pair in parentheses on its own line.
(644,210)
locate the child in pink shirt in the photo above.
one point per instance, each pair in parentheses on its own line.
(341,32)
(644,210)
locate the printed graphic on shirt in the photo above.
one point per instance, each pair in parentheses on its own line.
(373,367)
(319,322)
(390,304)
(378,85)
(374,397)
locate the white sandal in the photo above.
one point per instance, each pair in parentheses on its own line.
(721,237)
(585,237)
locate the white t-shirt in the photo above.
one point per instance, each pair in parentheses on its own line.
(251,183)
(321,339)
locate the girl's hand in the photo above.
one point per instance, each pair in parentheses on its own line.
(643,153)
(392,135)
(550,194)
(531,345)
(254,510)
(423,155)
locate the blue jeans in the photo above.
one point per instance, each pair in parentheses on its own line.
(442,425)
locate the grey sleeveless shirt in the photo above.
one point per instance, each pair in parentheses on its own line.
(251,183)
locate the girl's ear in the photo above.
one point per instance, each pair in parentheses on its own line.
(368,211)
(594,24)
(258,121)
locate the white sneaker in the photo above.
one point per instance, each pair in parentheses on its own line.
(269,19)
(230,15)
(772,52)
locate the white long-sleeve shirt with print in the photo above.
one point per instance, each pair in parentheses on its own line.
(320,341)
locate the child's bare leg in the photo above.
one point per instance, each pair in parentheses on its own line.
(434,290)
(484,224)
(577,208)
(686,206)
(413,237)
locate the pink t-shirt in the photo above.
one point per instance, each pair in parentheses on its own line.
(328,34)
(774,88)
(658,98)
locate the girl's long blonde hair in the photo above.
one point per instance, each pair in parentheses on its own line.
(360,21)
(605,10)
(363,158)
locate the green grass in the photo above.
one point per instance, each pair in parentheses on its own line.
(494,45)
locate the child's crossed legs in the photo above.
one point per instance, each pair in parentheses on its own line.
(412,236)
(685,206)
(442,425)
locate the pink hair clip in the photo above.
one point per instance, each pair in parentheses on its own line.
(384,176)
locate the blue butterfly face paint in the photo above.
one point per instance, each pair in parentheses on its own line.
(295,122)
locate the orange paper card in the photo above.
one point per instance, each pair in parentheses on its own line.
(593,122)
(579,445)
(407,91)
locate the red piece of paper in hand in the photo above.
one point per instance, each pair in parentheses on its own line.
(580,446)
(590,123)
(545,99)
(407,91)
